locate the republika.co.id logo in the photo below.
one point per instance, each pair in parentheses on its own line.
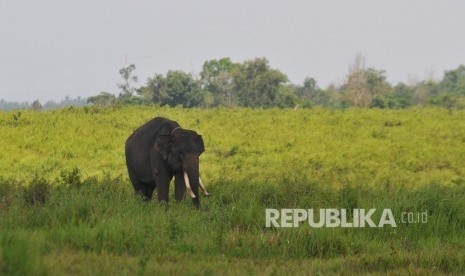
(357,218)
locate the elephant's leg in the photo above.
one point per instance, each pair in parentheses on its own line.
(147,190)
(162,182)
(161,175)
(179,186)
(144,190)
(139,187)
(163,187)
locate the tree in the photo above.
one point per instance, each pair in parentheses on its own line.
(155,90)
(103,99)
(357,89)
(454,81)
(286,97)
(450,91)
(36,106)
(364,86)
(257,84)
(308,90)
(424,91)
(309,94)
(402,97)
(177,88)
(127,74)
(216,79)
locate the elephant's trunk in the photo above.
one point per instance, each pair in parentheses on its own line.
(191,176)
(192,184)
(189,188)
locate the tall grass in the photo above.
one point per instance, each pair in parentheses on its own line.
(103,217)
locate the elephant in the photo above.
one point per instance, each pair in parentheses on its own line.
(159,150)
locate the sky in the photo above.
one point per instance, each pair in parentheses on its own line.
(50,49)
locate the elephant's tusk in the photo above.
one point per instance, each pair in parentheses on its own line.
(202,187)
(188,185)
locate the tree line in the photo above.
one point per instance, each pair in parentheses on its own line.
(36,105)
(254,83)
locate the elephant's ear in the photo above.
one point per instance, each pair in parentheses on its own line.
(200,144)
(163,145)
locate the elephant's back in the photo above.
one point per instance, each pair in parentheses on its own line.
(146,133)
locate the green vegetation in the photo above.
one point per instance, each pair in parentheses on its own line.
(67,206)
(254,83)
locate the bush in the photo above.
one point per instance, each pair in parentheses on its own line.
(71,179)
(37,192)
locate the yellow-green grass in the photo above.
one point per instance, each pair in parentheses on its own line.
(67,206)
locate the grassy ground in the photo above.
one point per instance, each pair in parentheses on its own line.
(67,207)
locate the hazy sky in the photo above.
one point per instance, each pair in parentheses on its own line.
(53,48)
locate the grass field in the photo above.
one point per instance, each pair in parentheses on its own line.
(67,206)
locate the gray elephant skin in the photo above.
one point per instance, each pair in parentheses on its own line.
(159,150)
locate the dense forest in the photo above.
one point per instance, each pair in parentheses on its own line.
(254,83)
